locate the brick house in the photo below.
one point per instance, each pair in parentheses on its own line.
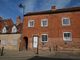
(55,28)
(10,34)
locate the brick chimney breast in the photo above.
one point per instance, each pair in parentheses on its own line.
(18,20)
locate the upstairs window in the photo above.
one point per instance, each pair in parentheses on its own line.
(44,22)
(14,29)
(4,30)
(65,21)
(67,36)
(31,23)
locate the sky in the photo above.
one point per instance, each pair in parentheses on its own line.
(11,9)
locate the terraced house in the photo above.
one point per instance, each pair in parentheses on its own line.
(55,29)
(10,34)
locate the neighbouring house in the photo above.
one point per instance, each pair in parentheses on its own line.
(55,29)
(10,34)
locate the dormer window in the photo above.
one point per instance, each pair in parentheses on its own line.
(66,22)
(14,29)
(4,30)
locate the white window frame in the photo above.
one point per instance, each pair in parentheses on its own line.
(42,23)
(29,23)
(69,39)
(41,37)
(14,29)
(68,20)
(4,30)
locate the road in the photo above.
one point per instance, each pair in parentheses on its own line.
(34,58)
(30,55)
(46,58)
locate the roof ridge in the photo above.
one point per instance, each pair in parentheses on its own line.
(69,9)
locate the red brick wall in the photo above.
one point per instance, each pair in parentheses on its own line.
(54,30)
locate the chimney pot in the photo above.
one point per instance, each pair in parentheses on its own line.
(53,7)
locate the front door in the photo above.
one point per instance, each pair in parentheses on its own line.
(35,41)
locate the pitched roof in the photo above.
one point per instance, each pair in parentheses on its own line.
(19,28)
(5,23)
(10,29)
(1,26)
(8,22)
(72,9)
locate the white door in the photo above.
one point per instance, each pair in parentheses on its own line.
(35,41)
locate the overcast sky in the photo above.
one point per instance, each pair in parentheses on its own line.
(10,8)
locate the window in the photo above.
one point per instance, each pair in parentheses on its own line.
(44,22)
(4,30)
(14,29)
(44,37)
(65,21)
(31,23)
(67,36)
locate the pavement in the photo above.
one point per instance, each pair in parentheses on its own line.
(43,55)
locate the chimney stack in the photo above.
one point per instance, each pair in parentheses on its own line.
(53,7)
(18,20)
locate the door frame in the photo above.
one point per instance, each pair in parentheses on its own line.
(26,42)
(37,41)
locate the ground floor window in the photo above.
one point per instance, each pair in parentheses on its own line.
(67,36)
(44,37)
